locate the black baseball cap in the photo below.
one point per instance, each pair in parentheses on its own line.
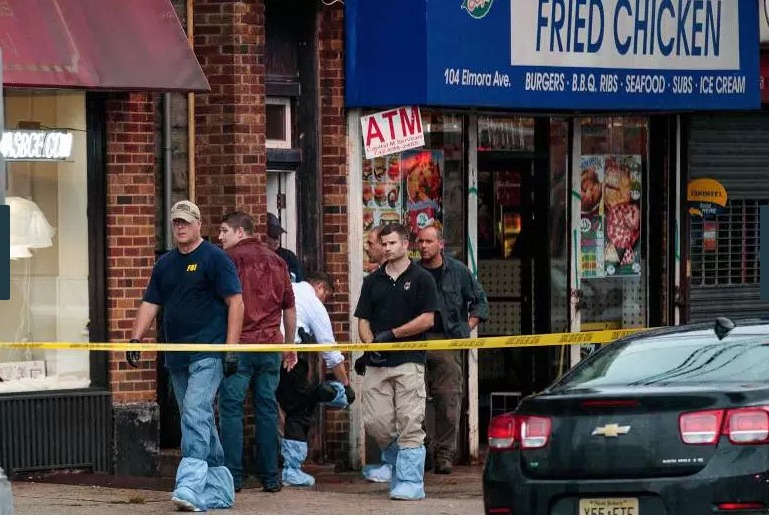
(274,229)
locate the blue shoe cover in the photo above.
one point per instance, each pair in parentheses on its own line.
(191,479)
(408,477)
(220,489)
(185,500)
(294,453)
(340,400)
(383,472)
(377,472)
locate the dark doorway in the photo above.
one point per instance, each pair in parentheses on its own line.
(513,262)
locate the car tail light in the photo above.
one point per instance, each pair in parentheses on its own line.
(747,425)
(701,427)
(535,431)
(532,432)
(503,432)
(741,506)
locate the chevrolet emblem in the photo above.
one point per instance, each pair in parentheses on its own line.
(611,430)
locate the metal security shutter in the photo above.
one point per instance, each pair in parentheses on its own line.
(733,149)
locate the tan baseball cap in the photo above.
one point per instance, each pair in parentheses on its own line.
(185,210)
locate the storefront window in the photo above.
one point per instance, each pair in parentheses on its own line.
(510,133)
(49,252)
(420,187)
(613,163)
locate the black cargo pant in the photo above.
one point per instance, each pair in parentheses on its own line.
(298,399)
(445,377)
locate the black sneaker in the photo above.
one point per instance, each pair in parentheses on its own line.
(443,468)
(274,487)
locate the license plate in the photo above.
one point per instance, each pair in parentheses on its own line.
(608,506)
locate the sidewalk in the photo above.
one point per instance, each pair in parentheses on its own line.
(334,493)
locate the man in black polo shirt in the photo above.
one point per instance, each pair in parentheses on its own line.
(397,303)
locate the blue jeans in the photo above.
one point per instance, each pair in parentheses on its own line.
(195,388)
(262,372)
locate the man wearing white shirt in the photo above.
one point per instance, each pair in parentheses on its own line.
(296,395)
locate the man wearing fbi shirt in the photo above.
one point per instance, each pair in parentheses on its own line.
(397,303)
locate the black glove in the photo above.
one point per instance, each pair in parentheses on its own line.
(230,364)
(360,365)
(325,392)
(350,394)
(384,336)
(133,357)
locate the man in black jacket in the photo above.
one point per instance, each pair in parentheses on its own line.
(274,231)
(463,305)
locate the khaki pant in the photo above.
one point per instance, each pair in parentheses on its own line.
(394,404)
(445,379)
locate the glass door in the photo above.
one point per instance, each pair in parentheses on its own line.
(609,223)
(513,187)
(281,201)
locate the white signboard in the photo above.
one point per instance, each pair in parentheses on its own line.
(35,145)
(617,34)
(764,21)
(392,131)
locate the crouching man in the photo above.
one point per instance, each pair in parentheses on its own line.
(298,397)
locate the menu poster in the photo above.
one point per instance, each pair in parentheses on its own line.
(403,188)
(622,205)
(610,223)
(591,216)
(422,172)
(382,196)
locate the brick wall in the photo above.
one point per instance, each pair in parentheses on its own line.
(230,153)
(230,120)
(334,182)
(130,234)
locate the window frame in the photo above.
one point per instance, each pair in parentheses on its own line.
(286,142)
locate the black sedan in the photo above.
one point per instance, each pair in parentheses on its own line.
(671,421)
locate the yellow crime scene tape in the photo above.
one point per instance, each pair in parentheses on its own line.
(495,342)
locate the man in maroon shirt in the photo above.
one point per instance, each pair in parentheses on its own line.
(267,294)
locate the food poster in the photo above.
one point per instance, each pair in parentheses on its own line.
(382,196)
(622,205)
(591,217)
(403,188)
(611,215)
(422,172)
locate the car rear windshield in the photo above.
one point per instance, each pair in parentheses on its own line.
(693,358)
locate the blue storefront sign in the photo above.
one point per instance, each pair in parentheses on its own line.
(671,55)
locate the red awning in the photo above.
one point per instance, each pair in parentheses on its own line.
(97,44)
